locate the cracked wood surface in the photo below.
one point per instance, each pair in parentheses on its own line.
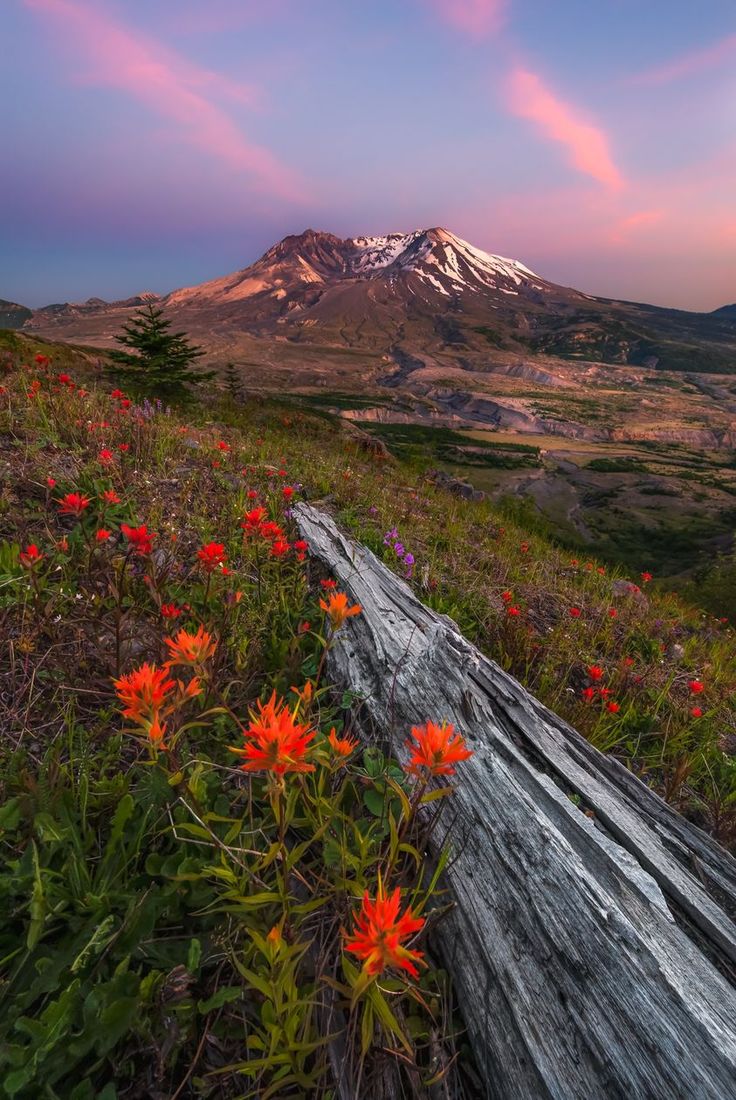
(592,956)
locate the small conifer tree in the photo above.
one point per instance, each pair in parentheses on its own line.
(234,384)
(160,362)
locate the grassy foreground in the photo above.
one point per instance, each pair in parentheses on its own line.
(199,860)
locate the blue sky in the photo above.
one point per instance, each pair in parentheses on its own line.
(154,145)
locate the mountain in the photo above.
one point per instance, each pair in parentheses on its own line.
(13,315)
(425,295)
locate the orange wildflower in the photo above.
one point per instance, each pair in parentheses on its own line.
(337,610)
(342,746)
(436,748)
(274,741)
(190,649)
(144,692)
(380,933)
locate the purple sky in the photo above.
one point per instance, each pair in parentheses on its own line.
(150,145)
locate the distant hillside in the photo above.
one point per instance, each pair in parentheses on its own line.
(13,315)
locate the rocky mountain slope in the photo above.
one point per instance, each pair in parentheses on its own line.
(425,294)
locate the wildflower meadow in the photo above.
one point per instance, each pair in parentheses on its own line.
(212,886)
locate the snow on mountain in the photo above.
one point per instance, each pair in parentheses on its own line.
(436,257)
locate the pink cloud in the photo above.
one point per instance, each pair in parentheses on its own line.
(623,230)
(173,87)
(587,145)
(477,18)
(694,62)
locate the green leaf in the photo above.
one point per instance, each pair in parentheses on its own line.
(193,956)
(222,997)
(38,904)
(374,802)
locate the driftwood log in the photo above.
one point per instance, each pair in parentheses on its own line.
(593,953)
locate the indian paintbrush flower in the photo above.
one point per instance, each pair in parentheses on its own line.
(275,741)
(380,934)
(435,749)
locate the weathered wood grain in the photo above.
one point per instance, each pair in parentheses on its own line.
(592,956)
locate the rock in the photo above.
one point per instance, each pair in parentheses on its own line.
(623,588)
(455,486)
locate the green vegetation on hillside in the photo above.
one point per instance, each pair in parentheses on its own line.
(172,924)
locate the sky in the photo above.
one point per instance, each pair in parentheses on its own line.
(153,144)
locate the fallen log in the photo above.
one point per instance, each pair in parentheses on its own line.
(592,953)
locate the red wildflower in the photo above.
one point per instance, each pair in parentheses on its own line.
(287,492)
(253,520)
(116,393)
(574,612)
(106,456)
(612,613)
(380,933)
(170,611)
(252,494)
(102,535)
(31,556)
(275,741)
(212,556)
(697,712)
(123,447)
(507,596)
(646,577)
(337,610)
(524,547)
(436,748)
(301,547)
(696,686)
(51,482)
(110,497)
(588,694)
(64,379)
(73,504)
(279,548)
(139,538)
(513,611)
(42,360)
(223,446)
(595,672)
(271,530)
(614,708)
(328,584)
